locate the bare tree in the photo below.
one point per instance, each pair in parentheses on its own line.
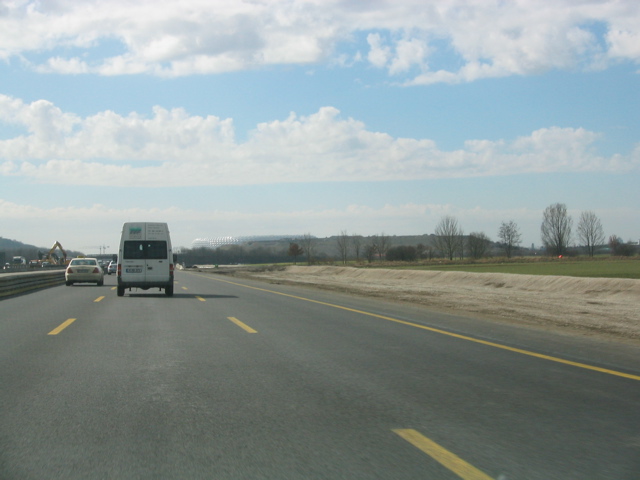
(308,246)
(425,251)
(378,245)
(295,251)
(590,231)
(373,247)
(343,246)
(618,247)
(478,244)
(510,235)
(384,242)
(356,242)
(370,252)
(556,229)
(448,236)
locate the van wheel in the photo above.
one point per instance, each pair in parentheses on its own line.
(168,291)
(121,291)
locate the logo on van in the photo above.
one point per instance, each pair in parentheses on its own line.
(135,232)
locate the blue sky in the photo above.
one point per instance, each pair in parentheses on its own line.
(290,117)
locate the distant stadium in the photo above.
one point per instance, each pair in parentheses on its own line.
(216,242)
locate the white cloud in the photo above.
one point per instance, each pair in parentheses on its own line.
(409,53)
(169,38)
(379,54)
(624,44)
(173,148)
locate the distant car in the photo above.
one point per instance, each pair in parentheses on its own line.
(84,270)
(112,268)
(46,264)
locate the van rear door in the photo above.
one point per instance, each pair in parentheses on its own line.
(146,261)
(134,266)
(157,261)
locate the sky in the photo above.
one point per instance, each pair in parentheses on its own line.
(290,117)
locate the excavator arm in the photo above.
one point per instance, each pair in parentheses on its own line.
(54,260)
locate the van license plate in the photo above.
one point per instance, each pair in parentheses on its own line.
(133,270)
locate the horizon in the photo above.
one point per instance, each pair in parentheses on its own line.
(283,238)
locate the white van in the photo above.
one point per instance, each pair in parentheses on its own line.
(145,257)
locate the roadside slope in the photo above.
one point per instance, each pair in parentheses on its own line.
(605,306)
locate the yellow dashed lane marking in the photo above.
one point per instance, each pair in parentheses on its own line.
(441,455)
(245,327)
(62,326)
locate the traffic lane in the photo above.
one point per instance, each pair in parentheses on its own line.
(180,396)
(582,347)
(286,366)
(81,327)
(23,317)
(554,395)
(565,413)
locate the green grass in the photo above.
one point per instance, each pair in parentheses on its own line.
(603,267)
(606,268)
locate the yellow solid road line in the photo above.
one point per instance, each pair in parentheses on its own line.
(444,457)
(242,325)
(450,334)
(62,326)
(99,299)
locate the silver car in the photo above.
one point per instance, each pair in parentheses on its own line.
(84,270)
(113,267)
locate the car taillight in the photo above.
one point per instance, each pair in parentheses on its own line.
(96,270)
(69,270)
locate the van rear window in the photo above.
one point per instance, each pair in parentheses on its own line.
(145,250)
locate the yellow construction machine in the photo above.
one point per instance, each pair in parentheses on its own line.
(54,258)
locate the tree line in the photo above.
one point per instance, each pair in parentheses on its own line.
(556,233)
(448,241)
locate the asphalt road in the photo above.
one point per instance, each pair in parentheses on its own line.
(235,379)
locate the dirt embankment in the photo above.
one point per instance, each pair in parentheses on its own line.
(604,306)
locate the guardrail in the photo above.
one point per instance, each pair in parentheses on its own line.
(16,283)
(14,268)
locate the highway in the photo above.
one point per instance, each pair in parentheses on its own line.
(239,379)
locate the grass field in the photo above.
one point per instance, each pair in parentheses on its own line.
(606,267)
(603,267)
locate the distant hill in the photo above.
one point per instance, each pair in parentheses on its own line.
(6,244)
(30,252)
